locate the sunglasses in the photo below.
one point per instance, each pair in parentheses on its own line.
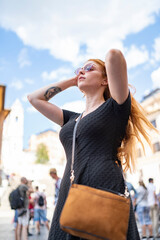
(87,68)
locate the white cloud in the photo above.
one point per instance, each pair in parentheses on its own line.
(156,52)
(17,84)
(155,76)
(23,58)
(58,74)
(63,27)
(29,81)
(135,56)
(75,106)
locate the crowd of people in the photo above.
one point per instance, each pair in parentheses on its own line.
(34,207)
(145,201)
(147,208)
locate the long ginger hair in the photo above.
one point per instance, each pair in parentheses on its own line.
(136,128)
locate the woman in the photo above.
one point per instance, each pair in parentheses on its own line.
(143,210)
(105,134)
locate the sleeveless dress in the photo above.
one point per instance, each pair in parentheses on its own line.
(98,136)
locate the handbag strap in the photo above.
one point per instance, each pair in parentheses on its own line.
(73,148)
(72,177)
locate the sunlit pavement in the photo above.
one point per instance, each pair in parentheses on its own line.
(7,226)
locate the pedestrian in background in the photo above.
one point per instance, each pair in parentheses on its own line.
(30,206)
(132,190)
(40,205)
(23,213)
(53,174)
(143,211)
(15,224)
(153,204)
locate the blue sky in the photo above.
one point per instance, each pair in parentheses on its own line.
(44,41)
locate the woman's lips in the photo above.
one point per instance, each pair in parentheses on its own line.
(81,77)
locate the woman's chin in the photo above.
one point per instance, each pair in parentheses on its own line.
(81,86)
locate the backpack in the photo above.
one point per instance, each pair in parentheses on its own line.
(15,199)
(41,201)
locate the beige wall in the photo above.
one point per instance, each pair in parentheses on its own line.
(51,139)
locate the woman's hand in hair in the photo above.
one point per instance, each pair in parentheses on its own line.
(75,81)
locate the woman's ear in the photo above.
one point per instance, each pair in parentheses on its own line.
(104,82)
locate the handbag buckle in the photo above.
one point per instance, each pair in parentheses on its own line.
(72,176)
(126,193)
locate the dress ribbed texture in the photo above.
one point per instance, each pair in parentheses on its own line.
(98,137)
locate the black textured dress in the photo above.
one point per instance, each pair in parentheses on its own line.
(99,134)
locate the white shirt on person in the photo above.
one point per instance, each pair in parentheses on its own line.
(151,194)
(57,187)
(36,197)
(142,196)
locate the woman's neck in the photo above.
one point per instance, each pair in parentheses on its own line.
(92,103)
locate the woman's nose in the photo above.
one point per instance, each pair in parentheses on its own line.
(81,71)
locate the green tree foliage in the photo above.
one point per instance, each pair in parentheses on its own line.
(42,154)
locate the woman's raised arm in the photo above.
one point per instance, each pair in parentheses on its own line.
(116,69)
(39,99)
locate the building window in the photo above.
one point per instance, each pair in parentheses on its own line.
(156,147)
(154,123)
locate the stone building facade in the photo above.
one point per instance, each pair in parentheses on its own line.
(148,164)
(50,139)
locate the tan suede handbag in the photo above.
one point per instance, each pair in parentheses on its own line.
(92,213)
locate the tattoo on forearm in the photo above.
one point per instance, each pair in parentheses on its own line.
(52,92)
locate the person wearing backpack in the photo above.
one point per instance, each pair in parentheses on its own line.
(40,205)
(23,213)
